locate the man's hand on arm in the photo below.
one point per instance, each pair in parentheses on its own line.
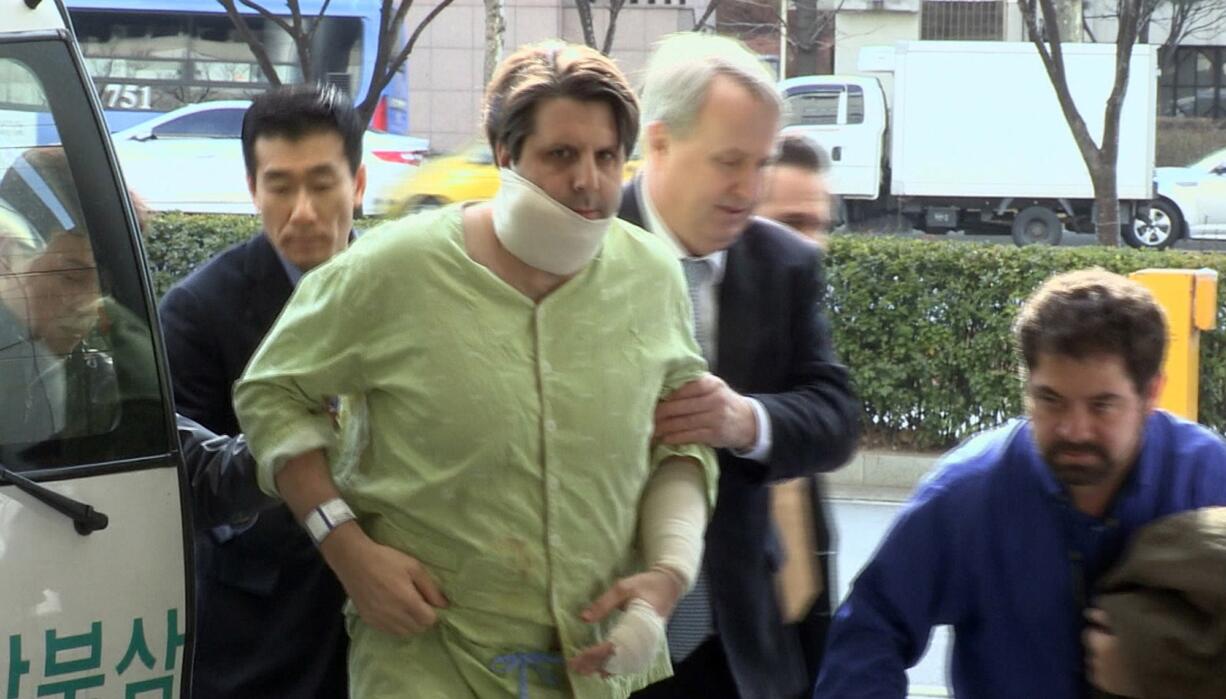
(707,411)
(392,591)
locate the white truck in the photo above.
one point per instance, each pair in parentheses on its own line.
(973,137)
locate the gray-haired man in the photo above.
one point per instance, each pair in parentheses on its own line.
(778,406)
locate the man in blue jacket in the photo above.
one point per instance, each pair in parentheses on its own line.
(1006,540)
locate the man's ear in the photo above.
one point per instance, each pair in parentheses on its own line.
(658,139)
(359,185)
(251,190)
(502,155)
(1154,391)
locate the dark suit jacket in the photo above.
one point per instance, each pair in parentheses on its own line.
(773,345)
(268,608)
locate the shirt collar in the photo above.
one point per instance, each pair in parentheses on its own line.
(655,224)
(293,271)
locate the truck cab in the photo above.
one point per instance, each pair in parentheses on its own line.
(847,115)
(95,591)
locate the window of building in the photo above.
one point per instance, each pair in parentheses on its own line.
(1196,84)
(962,20)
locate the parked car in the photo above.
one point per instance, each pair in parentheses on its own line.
(1189,202)
(204,141)
(95,536)
(469,174)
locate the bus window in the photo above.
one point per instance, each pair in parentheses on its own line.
(189,51)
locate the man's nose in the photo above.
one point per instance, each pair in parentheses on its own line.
(1075,425)
(585,174)
(304,207)
(747,184)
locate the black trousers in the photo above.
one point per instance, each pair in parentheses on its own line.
(704,674)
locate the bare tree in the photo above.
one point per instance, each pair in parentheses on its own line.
(807,32)
(1180,18)
(1187,18)
(586,23)
(495,31)
(706,15)
(389,54)
(1101,159)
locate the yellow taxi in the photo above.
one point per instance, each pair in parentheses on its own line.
(469,174)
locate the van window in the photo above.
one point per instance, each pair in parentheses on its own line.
(813,107)
(78,380)
(855,104)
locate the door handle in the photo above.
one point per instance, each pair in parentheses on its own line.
(836,153)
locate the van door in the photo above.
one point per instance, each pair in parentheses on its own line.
(94,597)
(845,121)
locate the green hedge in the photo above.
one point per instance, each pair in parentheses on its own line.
(175,244)
(923,325)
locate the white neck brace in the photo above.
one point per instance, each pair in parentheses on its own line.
(541,232)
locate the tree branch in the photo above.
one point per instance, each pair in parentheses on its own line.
(253,43)
(380,81)
(584,8)
(263,12)
(302,43)
(319,18)
(615,9)
(1085,27)
(706,15)
(1053,62)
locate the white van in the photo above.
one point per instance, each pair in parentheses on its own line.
(94,533)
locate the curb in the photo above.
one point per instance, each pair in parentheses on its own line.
(880,475)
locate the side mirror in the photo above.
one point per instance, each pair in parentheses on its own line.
(144,136)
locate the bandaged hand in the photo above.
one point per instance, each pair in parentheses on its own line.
(645,600)
(672,517)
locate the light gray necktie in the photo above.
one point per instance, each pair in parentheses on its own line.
(697,273)
(692,621)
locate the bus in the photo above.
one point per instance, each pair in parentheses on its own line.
(149,57)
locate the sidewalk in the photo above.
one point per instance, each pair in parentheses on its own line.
(879,475)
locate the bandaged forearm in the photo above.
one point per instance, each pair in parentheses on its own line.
(673,517)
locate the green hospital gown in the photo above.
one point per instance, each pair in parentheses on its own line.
(508,441)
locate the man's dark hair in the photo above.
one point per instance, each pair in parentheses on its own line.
(548,70)
(295,111)
(801,152)
(1088,312)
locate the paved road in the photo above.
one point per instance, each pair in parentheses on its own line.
(860,526)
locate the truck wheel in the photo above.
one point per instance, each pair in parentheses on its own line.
(1161,231)
(1037,225)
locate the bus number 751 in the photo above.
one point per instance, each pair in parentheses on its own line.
(119,96)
